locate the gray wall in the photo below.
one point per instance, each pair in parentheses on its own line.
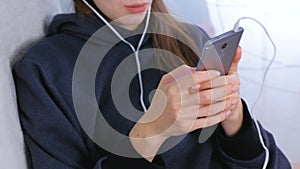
(22,24)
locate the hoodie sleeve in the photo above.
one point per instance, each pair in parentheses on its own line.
(50,129)
(52,133)
(245,151)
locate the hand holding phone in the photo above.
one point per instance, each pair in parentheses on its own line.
(218,54)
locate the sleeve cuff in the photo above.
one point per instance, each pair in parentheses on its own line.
(245,145)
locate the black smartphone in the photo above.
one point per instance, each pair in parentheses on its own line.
(218,54)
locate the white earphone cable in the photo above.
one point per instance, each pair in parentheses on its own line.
(135,51)
(262,86)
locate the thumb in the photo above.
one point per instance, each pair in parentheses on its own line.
(236,59)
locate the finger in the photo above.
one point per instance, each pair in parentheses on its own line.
(236,59)
(220,81)
(234,106)
(211,120)
(185,75)
(177,73)
(214,95)
(231,96)
(201,77)
(216,108)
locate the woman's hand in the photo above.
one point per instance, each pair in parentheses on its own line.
(187,100)
(233,122)
(174,110)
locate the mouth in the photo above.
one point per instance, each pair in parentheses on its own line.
(137,8)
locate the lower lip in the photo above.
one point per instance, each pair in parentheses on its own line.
(135,9)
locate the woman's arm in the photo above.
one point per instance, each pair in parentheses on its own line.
(244,150)
(52,133)
(238,141)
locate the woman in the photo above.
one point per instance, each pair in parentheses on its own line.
(185,100)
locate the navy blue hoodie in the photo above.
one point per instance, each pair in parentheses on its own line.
(55,138)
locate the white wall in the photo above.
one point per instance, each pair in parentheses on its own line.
(279,107)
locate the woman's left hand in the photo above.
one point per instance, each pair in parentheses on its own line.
(233,123)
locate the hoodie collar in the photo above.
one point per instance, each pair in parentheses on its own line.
(85,26)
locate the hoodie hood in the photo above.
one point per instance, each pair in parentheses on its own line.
(74,24)
(84,26)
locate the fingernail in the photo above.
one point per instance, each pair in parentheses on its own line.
(233,76)
(196,87)
(234,101)
(227,113)
(218,73)
(235,88)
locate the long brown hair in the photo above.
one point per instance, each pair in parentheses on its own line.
(187,53)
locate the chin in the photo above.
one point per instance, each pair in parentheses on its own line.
(131,21)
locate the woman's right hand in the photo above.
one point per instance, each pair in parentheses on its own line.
(178,107)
